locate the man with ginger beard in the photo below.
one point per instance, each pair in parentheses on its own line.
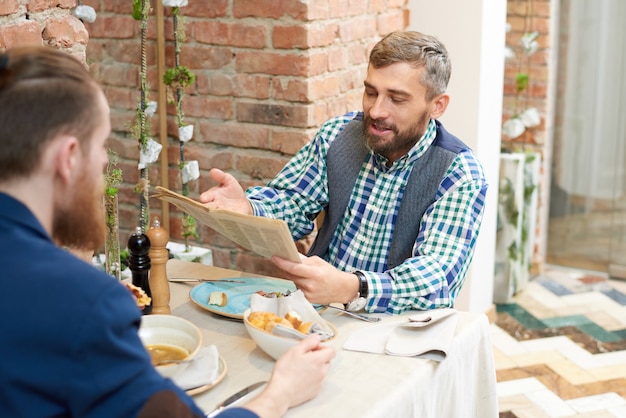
(68,338)
(403,198)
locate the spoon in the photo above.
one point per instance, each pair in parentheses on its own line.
(354,314)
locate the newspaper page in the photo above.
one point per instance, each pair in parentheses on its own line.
(264,236)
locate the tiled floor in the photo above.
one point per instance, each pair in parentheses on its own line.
(560,347)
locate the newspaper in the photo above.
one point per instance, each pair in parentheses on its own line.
(264,236)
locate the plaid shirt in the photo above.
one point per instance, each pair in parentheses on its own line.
(444,246)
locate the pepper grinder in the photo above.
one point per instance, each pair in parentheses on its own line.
(159,285)
(139,263)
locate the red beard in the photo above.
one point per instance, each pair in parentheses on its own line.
(80,222)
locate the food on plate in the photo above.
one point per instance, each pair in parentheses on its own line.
(161,353)
(138,293)
(294,318)
(273,294)
(266,321)
(218,298)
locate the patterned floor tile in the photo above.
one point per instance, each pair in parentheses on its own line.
(560,348)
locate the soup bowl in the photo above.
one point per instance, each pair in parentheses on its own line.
(169,337)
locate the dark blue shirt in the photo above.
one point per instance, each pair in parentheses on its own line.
(68,332)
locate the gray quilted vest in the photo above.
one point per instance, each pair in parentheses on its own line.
(346,156)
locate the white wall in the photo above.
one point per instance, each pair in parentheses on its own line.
(474,34)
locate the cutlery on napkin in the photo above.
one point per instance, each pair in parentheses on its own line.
(425,335)
(201,370)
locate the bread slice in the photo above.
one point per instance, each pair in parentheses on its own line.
(218,298)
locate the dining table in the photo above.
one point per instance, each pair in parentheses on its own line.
(358,384)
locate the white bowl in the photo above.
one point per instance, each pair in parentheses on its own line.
(173,331)
(274,345)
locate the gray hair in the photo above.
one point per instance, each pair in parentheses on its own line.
(419,50)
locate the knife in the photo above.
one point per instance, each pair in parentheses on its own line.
(232,399)
(188,279)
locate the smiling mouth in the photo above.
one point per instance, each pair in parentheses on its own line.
(380,128)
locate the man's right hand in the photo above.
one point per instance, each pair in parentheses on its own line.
(228,194)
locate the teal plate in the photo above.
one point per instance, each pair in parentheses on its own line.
(238,294)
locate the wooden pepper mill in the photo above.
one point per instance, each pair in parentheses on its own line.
(159,285)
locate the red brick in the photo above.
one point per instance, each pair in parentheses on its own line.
(289,141)
(210,9)
(235,134)
(21,34)
(232,34)
(337,58)
(268,62)
(359,27)
(42,5)
(115,27)
(8,7)
(389,22)
(270,8)
(198,57)
(259,166)
(377,6)
(320,9)
(124,7)
(207,157)
(122,97)
(273,114)
(200,106)
(304,37)
(252,85)
(290,89)
(215,83)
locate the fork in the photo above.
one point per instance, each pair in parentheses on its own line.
(354,314)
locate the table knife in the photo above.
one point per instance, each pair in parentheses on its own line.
(189,279)
(234,398)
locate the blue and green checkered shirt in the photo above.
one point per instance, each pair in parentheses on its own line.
(444,246)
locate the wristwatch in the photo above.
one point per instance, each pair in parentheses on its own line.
(358,303)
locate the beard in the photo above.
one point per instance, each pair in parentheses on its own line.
(80,222)
(401,142)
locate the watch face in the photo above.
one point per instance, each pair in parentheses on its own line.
(356,305)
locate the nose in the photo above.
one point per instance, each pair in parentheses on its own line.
(378,109)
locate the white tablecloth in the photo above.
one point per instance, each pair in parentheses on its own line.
(358,384)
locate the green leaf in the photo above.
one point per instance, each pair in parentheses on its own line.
(521,81)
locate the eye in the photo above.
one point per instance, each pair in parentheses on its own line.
(395,99)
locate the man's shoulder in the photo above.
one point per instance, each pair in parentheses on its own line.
(448,141)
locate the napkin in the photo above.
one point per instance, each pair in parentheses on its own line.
(424,335)
(202,370)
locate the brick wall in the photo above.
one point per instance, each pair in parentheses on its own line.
(42,22)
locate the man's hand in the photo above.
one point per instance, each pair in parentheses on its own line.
(228,194)
(296,378)
(320,281)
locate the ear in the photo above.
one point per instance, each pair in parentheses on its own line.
(439,105)
(66,153)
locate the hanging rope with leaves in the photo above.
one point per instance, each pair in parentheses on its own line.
(177,79)
(149,149)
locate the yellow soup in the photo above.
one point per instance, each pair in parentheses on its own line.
(161,352)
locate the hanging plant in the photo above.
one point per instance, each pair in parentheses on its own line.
(177,79)
(149,149)
(112,180)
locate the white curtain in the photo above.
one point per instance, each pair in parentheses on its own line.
(593,150)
